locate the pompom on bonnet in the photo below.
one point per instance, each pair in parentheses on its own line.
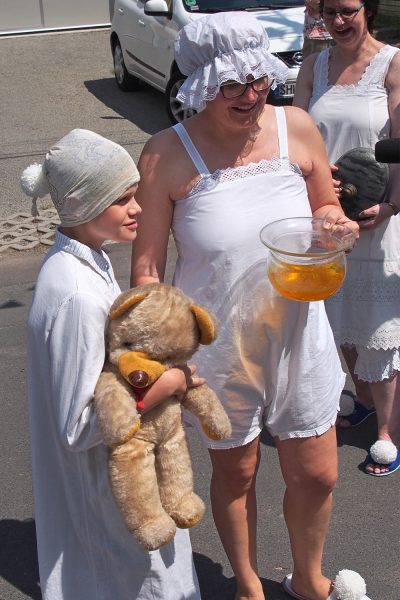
(223,47)
(84,174)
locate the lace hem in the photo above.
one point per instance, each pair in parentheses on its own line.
(383,340)
(377,366)
(272,165)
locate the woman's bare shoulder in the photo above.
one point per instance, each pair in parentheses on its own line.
(304,138)
(298,119)
(161,140)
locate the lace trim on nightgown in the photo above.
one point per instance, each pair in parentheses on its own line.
(383,340)
(374,73)
(384,366)
(367,294)
(210,180)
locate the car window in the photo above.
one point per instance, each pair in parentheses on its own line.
(209,6)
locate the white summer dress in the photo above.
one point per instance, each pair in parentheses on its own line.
(366,311)
(275,362)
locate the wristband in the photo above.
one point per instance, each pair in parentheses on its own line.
(394,208)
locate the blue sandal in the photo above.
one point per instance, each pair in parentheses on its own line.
(359,415)
(383,454)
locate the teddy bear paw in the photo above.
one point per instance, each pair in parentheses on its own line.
(156,533)
(221,433)
(189,511)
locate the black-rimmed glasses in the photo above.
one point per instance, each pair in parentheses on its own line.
(234,89)
(346,14)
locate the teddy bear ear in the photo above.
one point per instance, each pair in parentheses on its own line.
(206,325)
(122,308)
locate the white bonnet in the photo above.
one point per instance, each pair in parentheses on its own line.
(226,46)
(84,174)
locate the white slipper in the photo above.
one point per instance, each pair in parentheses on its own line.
(348,585)
(383,452)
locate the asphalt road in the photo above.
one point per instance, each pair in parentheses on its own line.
(50,84)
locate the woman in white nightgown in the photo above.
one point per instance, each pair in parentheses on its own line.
(216,180)
(352,92)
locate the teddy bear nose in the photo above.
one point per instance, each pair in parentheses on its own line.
(138,378)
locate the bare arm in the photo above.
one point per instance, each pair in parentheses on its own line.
(174,382)
(307,149)
(149,251)
(393,87)
(304,83)
(302,97)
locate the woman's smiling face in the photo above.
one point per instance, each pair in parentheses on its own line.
(346,20)
(242,111)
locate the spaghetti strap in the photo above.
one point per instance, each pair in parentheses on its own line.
(191,149)
(282,132)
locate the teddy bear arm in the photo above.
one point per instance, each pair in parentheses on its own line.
(205,405)
(116,409)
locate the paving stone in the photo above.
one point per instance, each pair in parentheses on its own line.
(23,231)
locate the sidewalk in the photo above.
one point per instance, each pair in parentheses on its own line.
(23,231)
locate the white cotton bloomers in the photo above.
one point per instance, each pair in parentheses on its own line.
(274,362)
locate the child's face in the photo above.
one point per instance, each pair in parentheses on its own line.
(118,222)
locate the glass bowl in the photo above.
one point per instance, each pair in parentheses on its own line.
(306,261)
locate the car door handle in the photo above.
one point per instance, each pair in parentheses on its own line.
(120,10)
(142,23)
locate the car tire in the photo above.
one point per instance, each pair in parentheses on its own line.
(175,110)
(125,81)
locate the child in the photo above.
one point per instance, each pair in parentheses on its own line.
(85,552)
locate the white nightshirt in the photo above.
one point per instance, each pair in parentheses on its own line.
(85,552)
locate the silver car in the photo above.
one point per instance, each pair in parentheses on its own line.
(143,32)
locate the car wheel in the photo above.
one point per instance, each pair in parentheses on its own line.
(125,81)
(175,110)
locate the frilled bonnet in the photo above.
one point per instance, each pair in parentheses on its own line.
(227,46)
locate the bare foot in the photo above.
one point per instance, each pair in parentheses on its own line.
(372,467)
(253,592)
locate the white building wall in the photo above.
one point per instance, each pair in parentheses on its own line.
(18,16)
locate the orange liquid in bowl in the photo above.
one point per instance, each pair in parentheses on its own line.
(307,282)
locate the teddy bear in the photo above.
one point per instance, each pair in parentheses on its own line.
(151,328)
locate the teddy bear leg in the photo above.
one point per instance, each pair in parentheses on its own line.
(135,488)
(175,481)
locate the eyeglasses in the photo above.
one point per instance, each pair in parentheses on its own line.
(235,89)
(346,14)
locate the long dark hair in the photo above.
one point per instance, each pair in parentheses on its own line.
(371,10)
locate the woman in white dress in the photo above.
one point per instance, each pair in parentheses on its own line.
(216,179)
(352,92)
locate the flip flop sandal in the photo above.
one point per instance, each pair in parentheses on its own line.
(383,453)
(356,412)
(348,585)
